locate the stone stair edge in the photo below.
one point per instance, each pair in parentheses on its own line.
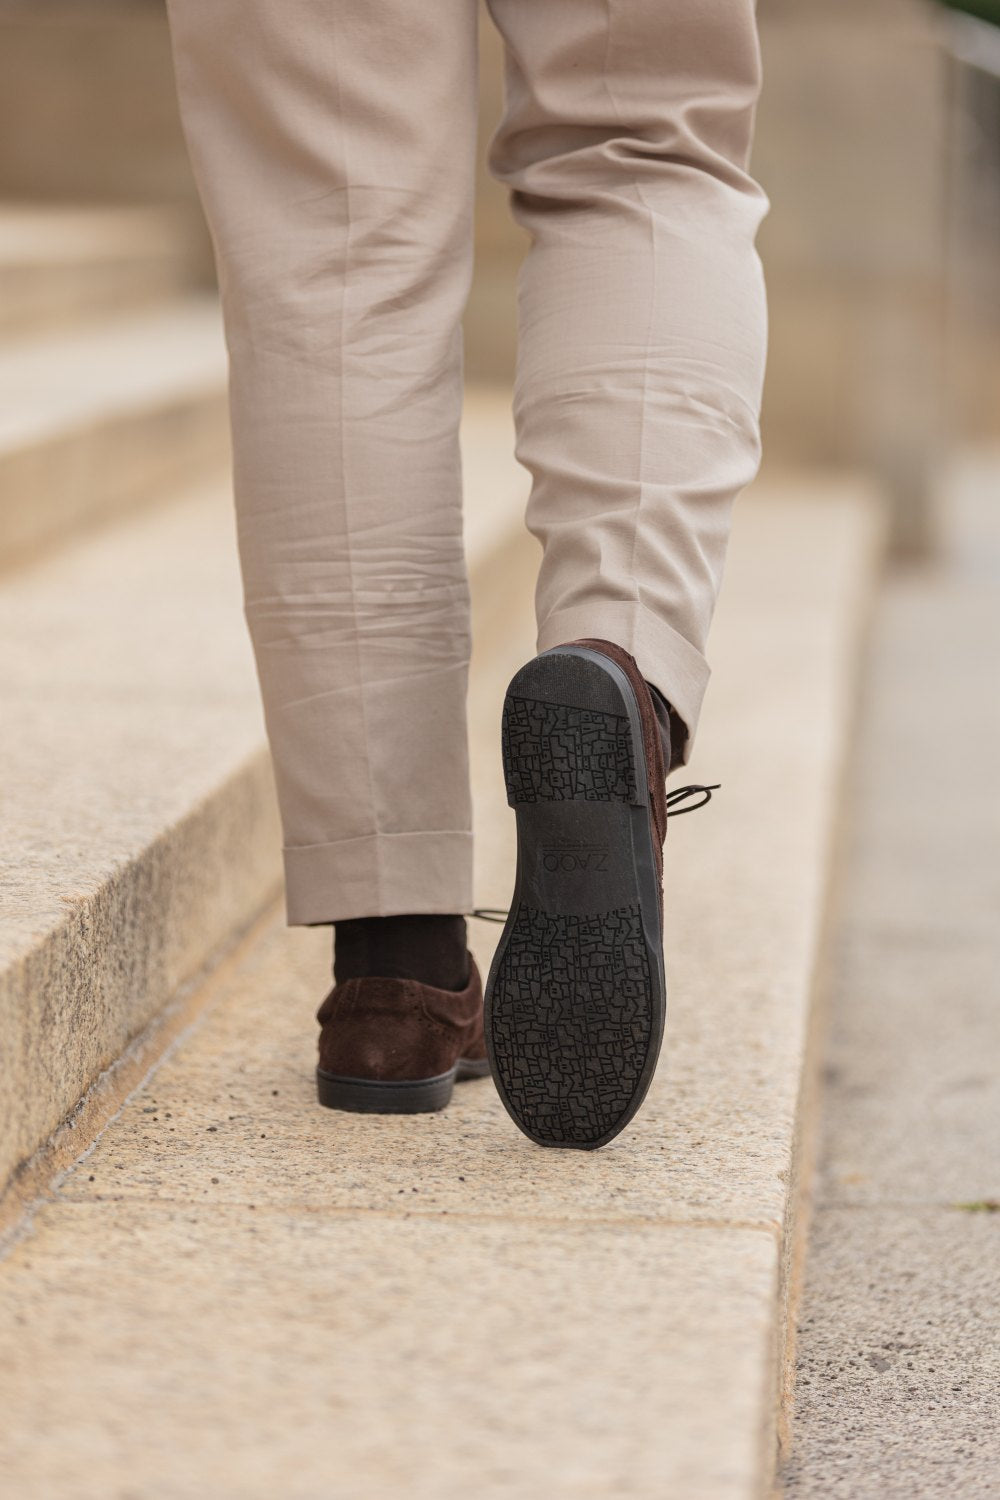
(69,263)
(873,511)
(52,1106)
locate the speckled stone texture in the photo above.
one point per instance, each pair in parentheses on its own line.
(301,1352)
(239,1292)
(139,824)
(898,1388)
(899,1357)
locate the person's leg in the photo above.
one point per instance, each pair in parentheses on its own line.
(642,320)
(642,314)
(334,149)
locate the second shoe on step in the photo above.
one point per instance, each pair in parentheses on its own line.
(391,1045)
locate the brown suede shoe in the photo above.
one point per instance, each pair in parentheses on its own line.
(576,996)
(396,1046)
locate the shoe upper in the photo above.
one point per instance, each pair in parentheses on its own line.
(399,1030)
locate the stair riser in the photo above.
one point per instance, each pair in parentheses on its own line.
(64,483)
(71,1006)
(35,298)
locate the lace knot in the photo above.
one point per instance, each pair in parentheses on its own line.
(690,791)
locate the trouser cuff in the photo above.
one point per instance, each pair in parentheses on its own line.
(379,875)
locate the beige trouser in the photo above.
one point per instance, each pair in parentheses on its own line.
(333,143)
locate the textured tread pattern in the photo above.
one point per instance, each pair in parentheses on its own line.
(571,1023)
(554,753)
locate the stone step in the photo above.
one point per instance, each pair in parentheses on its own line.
(897,1380)
(96,418)
(61,263)
(436,1304)
(139,827)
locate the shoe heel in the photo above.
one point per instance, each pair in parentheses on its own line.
(372,1097)
(566,734)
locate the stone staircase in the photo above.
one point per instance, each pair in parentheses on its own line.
(207,1285)
(62,262)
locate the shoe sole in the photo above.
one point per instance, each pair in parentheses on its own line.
(371,1096)
(575,999)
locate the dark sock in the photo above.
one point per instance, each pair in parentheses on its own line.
(431,948)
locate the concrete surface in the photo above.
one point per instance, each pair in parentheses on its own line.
(899,1357)
(91,421)
(898,1389)
(60,263)
(316,1353)
(269,1298)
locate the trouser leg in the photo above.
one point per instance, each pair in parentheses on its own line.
(642,312)
(334,146)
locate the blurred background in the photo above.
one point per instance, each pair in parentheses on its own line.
(877,141)
(133,741)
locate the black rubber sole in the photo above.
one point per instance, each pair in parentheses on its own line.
(576,997)
(416,1096)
